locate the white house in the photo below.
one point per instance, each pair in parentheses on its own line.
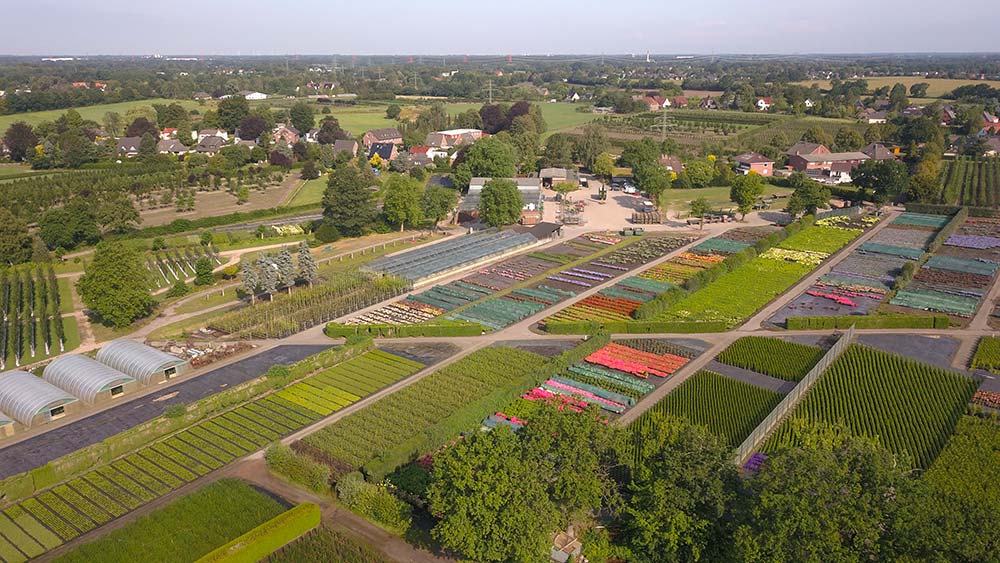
(253,95)
(809,103)
(212,133)
(763,104)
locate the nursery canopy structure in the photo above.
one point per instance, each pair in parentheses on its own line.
(144,363)
(86,379)
(28,399)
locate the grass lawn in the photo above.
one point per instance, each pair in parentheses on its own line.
(558,116)
(207,300)
(65,295)
(13,169)
(938,86)
(71,341)
(310,193)
(172,331)
(185,529)
(91,112)
(679,199)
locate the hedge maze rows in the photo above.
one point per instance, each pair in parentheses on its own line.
(60,514)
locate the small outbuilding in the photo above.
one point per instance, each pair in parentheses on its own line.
(31,401)
(88,380)
(146,364)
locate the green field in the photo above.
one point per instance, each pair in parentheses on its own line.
(185,529)
(679,199)
(13,169)
(309,193)
(89,112)
(558,116)
(938,86)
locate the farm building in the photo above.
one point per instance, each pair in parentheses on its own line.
(531,194)
(754,162)
(553,176)
(29,400)
(146,364)
(88,380)
(827,164)
(386,135)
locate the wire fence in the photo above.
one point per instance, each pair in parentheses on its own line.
(764,429)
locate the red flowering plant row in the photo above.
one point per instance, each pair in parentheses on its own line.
(636,362)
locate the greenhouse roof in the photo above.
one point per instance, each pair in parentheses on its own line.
(136,359)
(83,377)
(24,396)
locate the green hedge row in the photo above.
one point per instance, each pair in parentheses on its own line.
(933,209)
(267,538)
(23,485)
(472,415)
(178,226)
(437,328)
(954,223)
(655,307)
(298,469)
(635,327)
(868,321)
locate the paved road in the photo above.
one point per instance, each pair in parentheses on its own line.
(43,448)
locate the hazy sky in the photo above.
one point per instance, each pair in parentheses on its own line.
(138,27)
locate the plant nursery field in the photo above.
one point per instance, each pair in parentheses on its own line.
(61,514)
(185,529)
(911,408)
(730,409)
(972,181)
(370,432)
(771,356)
(324,545)
(31,323)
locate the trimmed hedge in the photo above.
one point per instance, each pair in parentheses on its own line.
(299,469)
(933,209)
(473,414)
(868,321)
(636,327)
(269,537)
(70,465)
(336,330)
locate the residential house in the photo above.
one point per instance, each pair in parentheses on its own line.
(836,166)
(573,97)
(212,133)
(948,115)
(912,111)
(345,145)
(991,124)
(805,147)
(168,133)
(882,105)
(872,116)
(386,151)
(171,146)
(96,134)
(453,138)
(210,145)
(764,104)
(708,102)
(252,96)
(128,146)
(431,152)
(310,136)
(680,102)
(992,147)
(878,151)
(671,163)
(654,103)
(80,85)
(809,104)
(202,96)
(286,133)
(102,86)
(387,135)
(754,162)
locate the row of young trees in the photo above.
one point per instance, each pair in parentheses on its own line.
(31,325)
(272,272)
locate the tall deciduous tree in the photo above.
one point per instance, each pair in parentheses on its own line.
(15,242)
(330,131)
(118,214)
(301,115)
(501,203)
(203,271)
(700,208)
(20,141)
(604,166)
(142,126)
(401,202)
(231,112)
(745,191)
(885,178)
(115,285)
(437,202)
(348,205)
(809,195)
(486,158)
(591,145)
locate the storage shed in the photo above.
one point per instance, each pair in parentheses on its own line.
(88,380)
(30,401)
(145,363)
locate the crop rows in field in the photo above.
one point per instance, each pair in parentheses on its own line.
(786,360)
(30,319)
(911,408)
(730,409)
(971,181)
(370,432)
(60,514)
(168,266)
(987,354)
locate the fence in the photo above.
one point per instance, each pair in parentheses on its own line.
(763,430)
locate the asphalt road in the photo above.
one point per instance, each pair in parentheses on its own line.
(39,450)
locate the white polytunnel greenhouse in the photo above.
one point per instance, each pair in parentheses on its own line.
(87,379)
(145,363)
(29,400)
(6,425)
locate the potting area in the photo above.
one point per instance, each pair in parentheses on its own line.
(614,377)
(956,279)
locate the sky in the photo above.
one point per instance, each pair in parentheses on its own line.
(474,27)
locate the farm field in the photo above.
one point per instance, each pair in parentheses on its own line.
(771,356)
(730,409)
(95,113)
(559,116)
(374,431)
(938,86)
(185,529)
(971,181)
(326,544)
(31,325)
(58,515)
(911,408)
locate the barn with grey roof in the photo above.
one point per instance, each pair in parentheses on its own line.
(146,364)
(88,380)
(30,401)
